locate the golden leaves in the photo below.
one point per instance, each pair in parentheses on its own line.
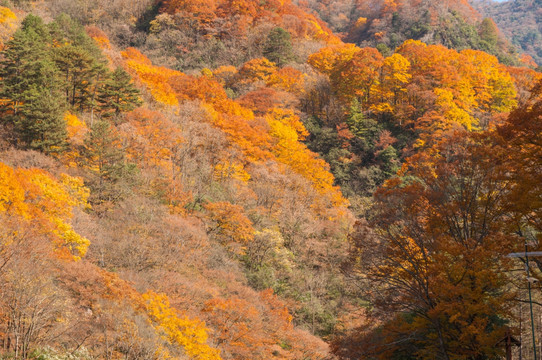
(191,334)
(35,195)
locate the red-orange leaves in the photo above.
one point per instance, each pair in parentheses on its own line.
(357,77)
(99,36)
(239,16)
(288,79)
(238,327)
(202,11)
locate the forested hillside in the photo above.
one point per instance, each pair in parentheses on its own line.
(520,21)
(385,24)
(224,179)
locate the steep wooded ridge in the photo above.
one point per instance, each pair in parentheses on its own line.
(519,20)
(226,179)
(387,23)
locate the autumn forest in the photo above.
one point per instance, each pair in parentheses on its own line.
(269,179)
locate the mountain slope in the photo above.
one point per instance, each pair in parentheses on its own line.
(520,21)
(452,23)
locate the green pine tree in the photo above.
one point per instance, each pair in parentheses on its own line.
(489,35)
(278,47)
(118,94)
(106,161)
(41,125)
(361,126)
(78,72)
(81,62)
(65,30)
(31,83)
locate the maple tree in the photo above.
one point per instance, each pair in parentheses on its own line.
(437,255)
(522,145)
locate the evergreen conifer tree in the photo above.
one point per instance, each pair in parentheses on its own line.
(118,94)
(105,158)
(278,47)
(31,84)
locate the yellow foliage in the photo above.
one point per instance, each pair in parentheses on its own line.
(288,117)
(206,72)
(410,43)
(191,334)
(286,131)
(35,195)
(232,171)
(8,21)
(76,128)
(6,14)
(452,112)
(397,67)
(12,194)
(317,32)
(493,85)
(361,21)
(394,78)
(224,73)
(328,58)
(256,69)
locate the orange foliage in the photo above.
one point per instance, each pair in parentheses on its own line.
(224,74)
(261,328)
(288,79)
(239,15)
(261,100)
(528,60)
(236,121)
(230,222)
(428,88)
(256,69)
(154,143)
(76,129)
(153,138)
(358,76)
(154,78)
(524,79)
(238,327)
(201,10)
(329,58)
(276,138)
